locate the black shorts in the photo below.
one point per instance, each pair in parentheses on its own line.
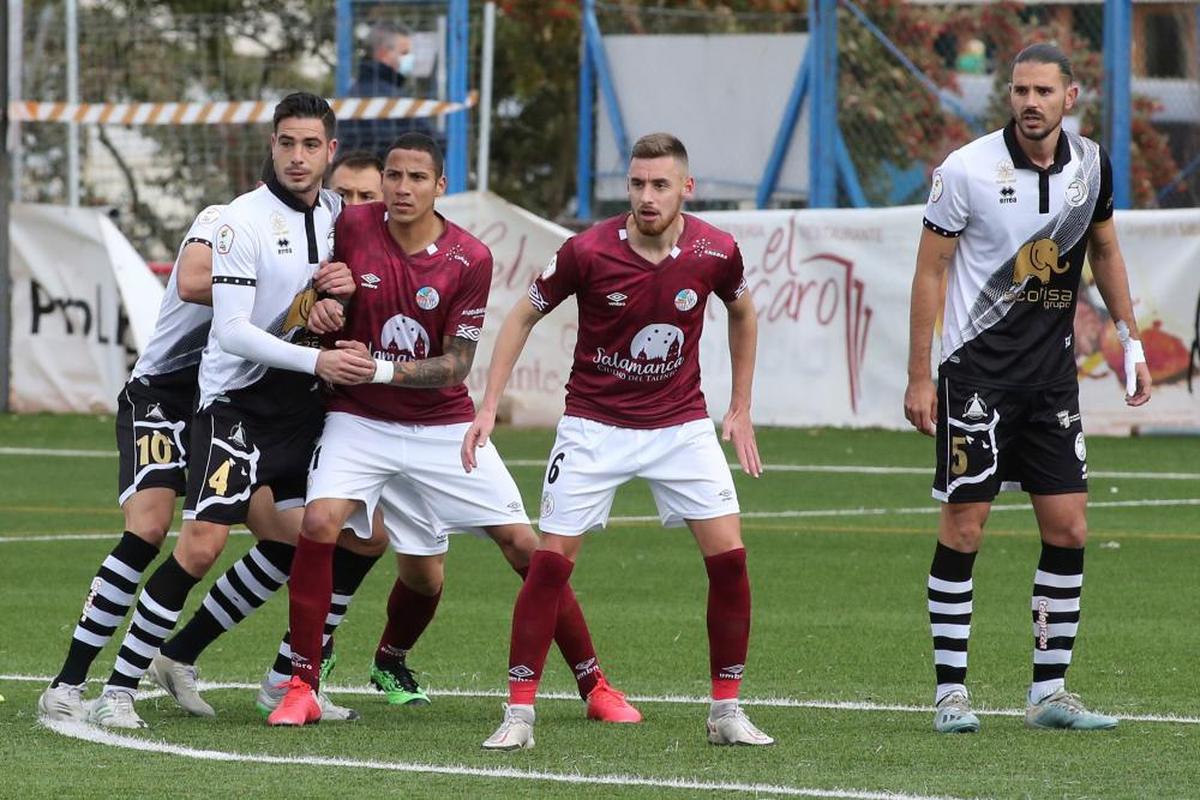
(990,439)
(236,452)
(154,414)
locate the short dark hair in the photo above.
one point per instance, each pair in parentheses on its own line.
(357,159)
(657,145)
(1046,53)
(304,105)
(414,140)
(268,169)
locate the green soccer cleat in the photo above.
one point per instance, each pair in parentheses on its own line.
(398,683)
(1063,710)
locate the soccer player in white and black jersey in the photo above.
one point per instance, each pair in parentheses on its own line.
(259,409)
(1010,217)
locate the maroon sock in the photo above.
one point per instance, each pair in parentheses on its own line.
(728,621)
(575,641)
(534,619)
(408,615)
(310,589)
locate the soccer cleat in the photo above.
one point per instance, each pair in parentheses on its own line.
(954,715)
(606,704)
(327,665)
(515,732)
(298,707)
(729,725)
(114,709)
(397,682)
(179,681)
(269,696)
(1063,710)
(63,703)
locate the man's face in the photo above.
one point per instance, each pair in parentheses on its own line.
(410,185)
(301,152)
(357,186)
(396,48)
(657,189)
(1040,96)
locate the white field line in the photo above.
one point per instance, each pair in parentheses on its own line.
(849,469)
(670,699)
(96,735)
(933,508)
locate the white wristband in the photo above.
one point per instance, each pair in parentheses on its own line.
(1134,355)
(384,371)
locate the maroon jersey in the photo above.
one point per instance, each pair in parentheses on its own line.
(402,307)
(637,358)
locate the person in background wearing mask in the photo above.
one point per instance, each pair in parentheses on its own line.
(387,72)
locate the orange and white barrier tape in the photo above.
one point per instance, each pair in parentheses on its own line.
(224,113)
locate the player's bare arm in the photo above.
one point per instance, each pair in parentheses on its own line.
(193,278)
(1112,279)
(743,343)
(514,332)
(449,369)
(933,259)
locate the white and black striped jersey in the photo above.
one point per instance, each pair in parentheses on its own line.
(182,328)
(267,247)
(1022,236)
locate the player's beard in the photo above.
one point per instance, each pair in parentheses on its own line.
(656,226)
(1046,130)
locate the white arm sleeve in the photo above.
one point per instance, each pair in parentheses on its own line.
(948,209)
(235,259)
(236,334)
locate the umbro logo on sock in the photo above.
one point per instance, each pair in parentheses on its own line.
(520,673)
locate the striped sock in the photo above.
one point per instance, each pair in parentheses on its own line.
(950,591)
(349,571)
(236,595)
(1057,585)
(108,601)
(156,613)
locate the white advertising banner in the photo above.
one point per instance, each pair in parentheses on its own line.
(83,302)
(831,289)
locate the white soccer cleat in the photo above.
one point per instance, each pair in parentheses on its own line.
(114,709)
(729,725)
(179,681)
(270,696)
(63,703)
(954,715)
(515,732)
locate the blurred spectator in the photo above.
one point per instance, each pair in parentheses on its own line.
(385,73)
(973,59)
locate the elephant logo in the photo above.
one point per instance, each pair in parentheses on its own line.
(659,341)
(405,337)
(1038,258)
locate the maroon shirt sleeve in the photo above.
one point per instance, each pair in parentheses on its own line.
(558,281)
(731,283)
(464,319)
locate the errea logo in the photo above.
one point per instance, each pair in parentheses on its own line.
(370,281)
(617,299)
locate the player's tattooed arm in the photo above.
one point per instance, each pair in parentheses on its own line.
(448,369)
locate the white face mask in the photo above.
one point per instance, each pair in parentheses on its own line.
(407,63)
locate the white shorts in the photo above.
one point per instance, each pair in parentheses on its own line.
(414,475)
(684,465)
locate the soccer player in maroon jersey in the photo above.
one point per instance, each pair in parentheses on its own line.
(634,409)
(423,286)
